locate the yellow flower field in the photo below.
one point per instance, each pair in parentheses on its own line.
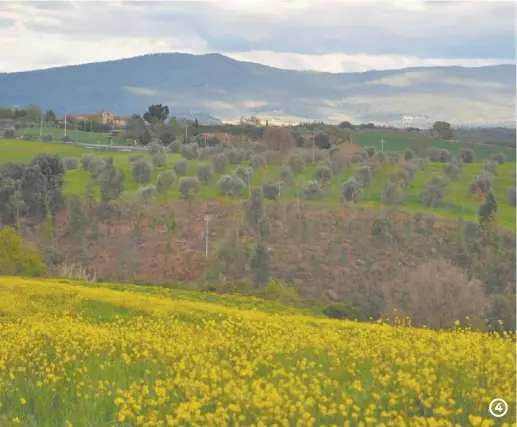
(91,355)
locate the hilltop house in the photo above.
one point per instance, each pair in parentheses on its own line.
(106,118)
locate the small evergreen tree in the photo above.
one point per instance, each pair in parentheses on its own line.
(259,265)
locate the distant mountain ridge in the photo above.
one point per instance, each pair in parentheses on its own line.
(220,87)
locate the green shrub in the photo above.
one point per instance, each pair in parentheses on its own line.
(435,191)
(271,190)
(351,190)
(312,190)
(481,184)
(142,171)
(16,258)
(343,311)
(467,155)
(188,186)
(189,151)
(159,159)
(322,174)
(452,171)
(71,163)
(392,194)
(257,162)
(204,173)
(220,163)
(364,176)
(96,166)
(499,158)
(231,185)
(491,167)
(409,154)
(10,133)
(85,161)
(146,194)
(181,167)
(155,148)
(286,175)
(174,147)
(166,180)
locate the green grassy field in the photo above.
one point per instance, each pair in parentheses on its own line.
(400,141)
(76,135)
(457,202)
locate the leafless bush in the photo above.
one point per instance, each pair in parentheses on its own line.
(435,294)
(75,272)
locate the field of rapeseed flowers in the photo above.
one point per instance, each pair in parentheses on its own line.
(88,355)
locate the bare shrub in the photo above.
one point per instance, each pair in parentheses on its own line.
(351,190)
(435,294)
(75,272)
(71,163)
(296,163)
(142,172)
(204,173)
(279,138)
(220,163)
(181,167)
(257,162)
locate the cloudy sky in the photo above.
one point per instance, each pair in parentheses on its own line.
(324,35)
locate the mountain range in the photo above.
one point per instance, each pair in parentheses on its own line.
(215,86)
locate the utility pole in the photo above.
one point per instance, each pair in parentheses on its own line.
(41,128)
(313,158)
(207,218)
(65,125)
(186,133)
(382,145)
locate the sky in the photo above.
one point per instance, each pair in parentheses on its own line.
(322,35)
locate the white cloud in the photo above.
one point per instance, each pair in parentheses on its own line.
(331,35)
(341,62)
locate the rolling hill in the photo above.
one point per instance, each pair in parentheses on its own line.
(221,87)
